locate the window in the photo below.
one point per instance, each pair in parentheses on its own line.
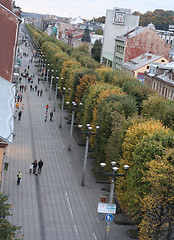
(147,67)
(162,60)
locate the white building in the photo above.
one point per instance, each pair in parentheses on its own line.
(77,20)
(118,22)
(95,37)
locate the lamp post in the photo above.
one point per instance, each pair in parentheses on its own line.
(88,134)
(42,65)
(47,72)
(114,175)
(63,96)
(74,105)
(57,79)
(44,71)
(51,85)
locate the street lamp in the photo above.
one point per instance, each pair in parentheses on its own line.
(44,70)
(63,96)
(88,134)
(55,97)
(114,175)
(51,84)
(42,64)
(74,105)
(47,72)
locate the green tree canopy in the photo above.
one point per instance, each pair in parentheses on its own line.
(7,230)
(160,18)
(99,31)
(96,50)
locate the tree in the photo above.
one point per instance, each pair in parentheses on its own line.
(159,108)
(112,107)
(7,230)
(160,18)
(96,50)
(84,83)
(99,31)
(84,47)
(100,19)
(158,206)
(142,143)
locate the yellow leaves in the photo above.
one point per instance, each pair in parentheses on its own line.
(136,133)
(85,81)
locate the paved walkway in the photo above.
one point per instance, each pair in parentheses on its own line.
(53,205)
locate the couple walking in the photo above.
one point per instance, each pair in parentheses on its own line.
(34,166)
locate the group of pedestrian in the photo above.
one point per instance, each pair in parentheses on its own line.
(39,92)
(33,168)
(22,88)
(31,60)
(34,165)
(46,113)
(30,80)
(19,97)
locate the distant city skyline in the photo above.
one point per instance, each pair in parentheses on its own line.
(90,8)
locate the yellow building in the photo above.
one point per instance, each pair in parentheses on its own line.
(137,66)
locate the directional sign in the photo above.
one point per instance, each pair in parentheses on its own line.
(109,217)
(106,208)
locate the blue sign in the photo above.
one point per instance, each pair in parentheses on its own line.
(109,217)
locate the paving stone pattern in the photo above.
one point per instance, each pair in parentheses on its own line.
(52,205)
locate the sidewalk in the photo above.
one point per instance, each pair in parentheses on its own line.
(53,205)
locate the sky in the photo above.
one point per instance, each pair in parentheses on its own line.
(89,8)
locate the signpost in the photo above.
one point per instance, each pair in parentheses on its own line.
(109,217)
(106,208)
(109,209)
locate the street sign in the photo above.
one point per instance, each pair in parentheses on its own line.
(106,208)
(109,217)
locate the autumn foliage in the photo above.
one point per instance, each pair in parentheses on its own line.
(136,128)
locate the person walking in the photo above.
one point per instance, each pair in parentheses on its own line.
(31,168)
(17,106)
(19,115)
(47,106)
(18,98)
(22,107)
(40,165)
(34,166)
(46,116)
(51,115)
(19,176)
(41,91)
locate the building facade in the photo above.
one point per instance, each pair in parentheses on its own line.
(137,42)
(8,41)
(137,66)
(160,77)
(118,22)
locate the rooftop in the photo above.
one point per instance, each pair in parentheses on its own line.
(135,32)
(141,61)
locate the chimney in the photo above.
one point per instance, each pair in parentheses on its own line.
(149,57)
